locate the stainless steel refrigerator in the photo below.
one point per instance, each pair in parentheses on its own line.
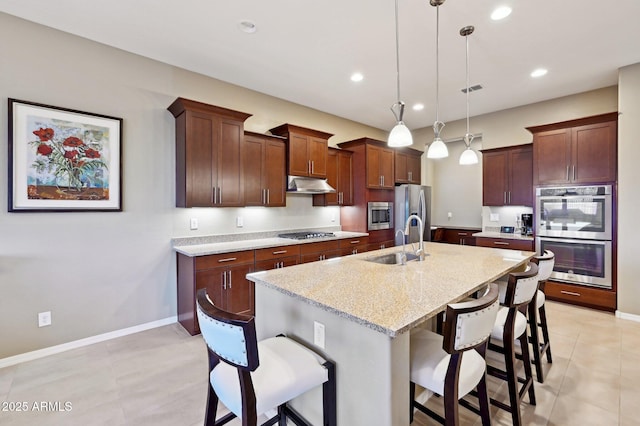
(412,199)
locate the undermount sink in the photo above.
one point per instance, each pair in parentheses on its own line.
(391,258)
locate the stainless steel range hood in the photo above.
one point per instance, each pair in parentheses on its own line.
(306,185)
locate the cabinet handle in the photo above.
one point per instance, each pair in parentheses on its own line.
(509,197)
(574,172)
(500,243)
(224,280)
(382,246)
(410,176)
(355,242)
(268,196)
(570,293)
(567,172)
(464,234)
(229,275)
(279,252)
(228,259)
(382,180)
(504,197)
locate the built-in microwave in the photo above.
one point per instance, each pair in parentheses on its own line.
(379,215)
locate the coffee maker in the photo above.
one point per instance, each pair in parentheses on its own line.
(527,224)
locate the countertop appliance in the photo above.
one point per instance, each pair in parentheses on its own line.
(576,224)
(305,235)
(526,220)
(379,215)
(413,199)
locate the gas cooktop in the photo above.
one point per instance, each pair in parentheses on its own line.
(306,235)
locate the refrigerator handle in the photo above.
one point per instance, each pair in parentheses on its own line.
(423,207)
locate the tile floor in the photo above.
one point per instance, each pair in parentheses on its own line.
(158,377)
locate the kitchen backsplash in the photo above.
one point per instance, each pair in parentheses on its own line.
(495,217)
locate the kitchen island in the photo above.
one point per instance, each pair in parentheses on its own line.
(368,310)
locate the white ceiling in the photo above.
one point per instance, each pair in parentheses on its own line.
(305,51)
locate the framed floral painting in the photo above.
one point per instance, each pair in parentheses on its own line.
(62,160)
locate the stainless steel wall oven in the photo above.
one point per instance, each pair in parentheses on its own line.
(576,223)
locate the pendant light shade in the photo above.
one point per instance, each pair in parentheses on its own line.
(437,148)
(468,156)
(400,134)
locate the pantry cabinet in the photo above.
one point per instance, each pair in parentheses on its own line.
(264,170)
(209,147)
(507,176)
(307,150)
(582,151)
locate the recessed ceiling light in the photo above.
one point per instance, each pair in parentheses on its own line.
(418,107)
(538,72)
(248,27)
(356,76)
(501,13)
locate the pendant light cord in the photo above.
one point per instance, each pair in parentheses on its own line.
(437,63)
(397,53)
(467,42)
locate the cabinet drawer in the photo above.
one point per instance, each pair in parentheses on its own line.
(505,243)
(265,265)
(351,242)
(319,246)
(317,256)
(277,252)
(380,245)
(581,295)
(225,259)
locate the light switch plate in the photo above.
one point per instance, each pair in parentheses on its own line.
(193,223)
(239,222)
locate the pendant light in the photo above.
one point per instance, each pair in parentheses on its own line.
(400,134)
(468,156)
(437,149)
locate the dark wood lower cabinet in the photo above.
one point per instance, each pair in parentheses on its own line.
(454,236)
(322,250)
(353,245)
(505,243)
(590,297)
(277,257)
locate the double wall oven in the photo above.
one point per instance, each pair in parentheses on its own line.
(576,224)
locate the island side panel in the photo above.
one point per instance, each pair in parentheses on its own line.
(372,369)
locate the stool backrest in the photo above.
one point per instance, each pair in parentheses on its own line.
(469,324)
(231,337)
(522,286)
(545,264)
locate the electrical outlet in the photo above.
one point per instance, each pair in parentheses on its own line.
(239,222)
(449,215)
(44,319)
(318,334)
(193,223)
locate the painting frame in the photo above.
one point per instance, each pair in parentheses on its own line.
(63,160)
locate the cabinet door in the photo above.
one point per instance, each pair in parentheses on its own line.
(212,280)
(594,153)
(332,199)
(200,159)
(414,167)
(387,168)
(402,167)
(318,151)
(345,178)
(239,290)
(494,178)
(254,164)
(275,181)
(229,167)
(520,191)
(298,155)
(552,153)
(373,156)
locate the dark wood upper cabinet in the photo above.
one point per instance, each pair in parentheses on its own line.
(407,165)
(582,151)
(378,162)
(307,150)
(507,176)
(340,177)
(209,147)
(264,170)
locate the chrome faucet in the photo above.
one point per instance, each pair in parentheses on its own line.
(420,252)
(403,259)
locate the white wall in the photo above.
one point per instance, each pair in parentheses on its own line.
(628,192)
(99,272)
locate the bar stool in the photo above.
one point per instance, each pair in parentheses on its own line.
(511,328)
(253,377)
(538,315)
(453,365)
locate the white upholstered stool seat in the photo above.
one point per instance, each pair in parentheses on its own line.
(453,364)
(251,378)
(538,315)
(540,298)
(287,369)
(520,325)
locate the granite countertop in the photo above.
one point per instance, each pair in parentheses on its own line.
(510,236)
(392,299)
(203,247)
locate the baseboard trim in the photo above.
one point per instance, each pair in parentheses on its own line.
(630,317)
(41,353)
